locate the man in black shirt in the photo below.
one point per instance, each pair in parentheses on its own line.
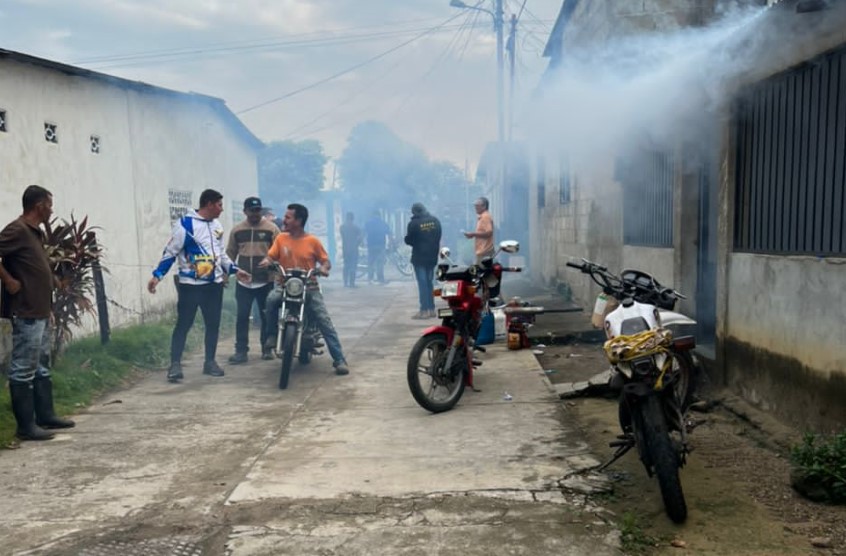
(424,236)
(28,284)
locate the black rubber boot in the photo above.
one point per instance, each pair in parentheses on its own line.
(174,373)
(45,414)
(23,406)
(211,368)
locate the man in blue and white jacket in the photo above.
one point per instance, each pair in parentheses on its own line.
(196,245)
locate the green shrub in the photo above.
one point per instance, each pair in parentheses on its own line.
(819,467)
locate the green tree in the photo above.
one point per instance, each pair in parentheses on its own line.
(290,171)
(380,169)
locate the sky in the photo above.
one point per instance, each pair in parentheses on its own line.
(424,68)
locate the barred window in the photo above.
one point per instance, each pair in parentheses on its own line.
(564,180)
(541,182)
(51,132)
(647,181)
(790,175)
(2,120)
(95,144)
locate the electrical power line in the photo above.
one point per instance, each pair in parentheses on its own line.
(348,70)
(415,89)
(178,50)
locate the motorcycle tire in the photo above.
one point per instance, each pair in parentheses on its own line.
(685,390)
(664,458)
(289,342)
(427,359)
(305,354)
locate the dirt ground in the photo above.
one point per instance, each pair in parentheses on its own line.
(736,481)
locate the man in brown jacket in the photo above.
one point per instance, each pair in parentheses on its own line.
(248,244)
(28,283)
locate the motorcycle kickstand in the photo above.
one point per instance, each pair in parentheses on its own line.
(623,445)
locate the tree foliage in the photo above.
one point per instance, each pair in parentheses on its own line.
(380,170)
(290,171)
(73,250)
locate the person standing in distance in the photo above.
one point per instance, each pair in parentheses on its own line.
(28,284)
(424,237)
(484,234)
(196,245)
(248,245)
(350,241)
(378,233)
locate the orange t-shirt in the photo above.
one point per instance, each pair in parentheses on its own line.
(484,246)
(303,252)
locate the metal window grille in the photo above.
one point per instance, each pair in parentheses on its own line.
(564,195)
(791,152)
(51,132)
(95,144)
(648,199)
(541,182)
(2,120)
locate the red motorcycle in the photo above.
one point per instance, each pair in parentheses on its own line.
(441,363)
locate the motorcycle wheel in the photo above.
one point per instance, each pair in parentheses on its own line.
(289,342)
(426,377)
(305,354)
(685,389)
(664,458)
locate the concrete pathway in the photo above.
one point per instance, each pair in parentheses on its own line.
(333,465)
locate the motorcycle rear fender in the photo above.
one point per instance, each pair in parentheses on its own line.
(669,318)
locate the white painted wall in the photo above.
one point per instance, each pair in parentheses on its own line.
(150,141)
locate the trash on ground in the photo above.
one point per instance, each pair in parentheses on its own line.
(550,371)
(574,355)
(540,346)
(678,543)
(537,351)
(507,397)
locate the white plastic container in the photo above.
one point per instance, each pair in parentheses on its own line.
(499,322)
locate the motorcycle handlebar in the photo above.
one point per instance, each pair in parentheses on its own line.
(512,269)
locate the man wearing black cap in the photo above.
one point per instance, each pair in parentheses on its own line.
(424,236)
(248,245)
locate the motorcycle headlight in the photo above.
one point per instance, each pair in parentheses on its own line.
(294,287)
(451,289)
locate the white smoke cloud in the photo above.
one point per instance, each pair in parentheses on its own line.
(657,88)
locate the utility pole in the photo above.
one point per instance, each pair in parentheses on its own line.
(512,52)
(500,70)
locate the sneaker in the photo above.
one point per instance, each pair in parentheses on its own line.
(211,368)
(419,315)
(341,368)
(431,314)
(174,373)
(267,354)
(238,358)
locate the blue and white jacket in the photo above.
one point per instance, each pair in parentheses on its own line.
(197,247)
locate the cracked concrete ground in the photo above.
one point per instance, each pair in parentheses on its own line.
(333,465)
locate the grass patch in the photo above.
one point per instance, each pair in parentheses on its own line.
(633,538)
(87,369)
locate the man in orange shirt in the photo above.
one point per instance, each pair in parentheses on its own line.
(483,236)
(294,248)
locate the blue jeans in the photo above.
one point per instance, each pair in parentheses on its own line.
(316,308)
(425,275)
(31,341)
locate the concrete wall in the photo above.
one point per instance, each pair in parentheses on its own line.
(781,333)
(781,342)
(149,142)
